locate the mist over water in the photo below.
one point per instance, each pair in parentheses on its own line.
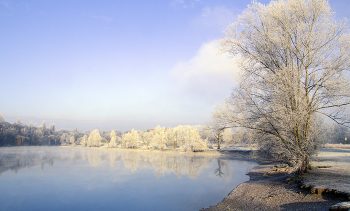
(66,178)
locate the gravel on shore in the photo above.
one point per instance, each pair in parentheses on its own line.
(274,194)
(269,188)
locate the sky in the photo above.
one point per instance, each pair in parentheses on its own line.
(113,64)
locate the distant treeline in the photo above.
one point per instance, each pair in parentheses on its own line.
(186,138)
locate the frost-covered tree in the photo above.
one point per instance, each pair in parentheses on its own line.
(293,55)
(52,128)
(146,139)
(83,141)
(193,141)
(131,139)
(160,138)
(172,137)
(43,125)
(63,140)
(113,136)
(72,141)
(216,129)
(38,137)
(18,122)
(94,139)
(179,136)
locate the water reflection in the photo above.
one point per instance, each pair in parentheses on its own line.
(223,169)
(16,158)
(63,178)
(218,171)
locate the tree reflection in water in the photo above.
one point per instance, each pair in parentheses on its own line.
(112,179)
(223,169)
(218,171)
(15,158)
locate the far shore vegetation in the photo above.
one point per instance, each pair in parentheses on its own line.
(182,138)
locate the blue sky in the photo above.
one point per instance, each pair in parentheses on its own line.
(116,64)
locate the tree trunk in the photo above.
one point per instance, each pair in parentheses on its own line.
(305,166)
(219,141)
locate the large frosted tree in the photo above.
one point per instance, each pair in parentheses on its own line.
(293,57)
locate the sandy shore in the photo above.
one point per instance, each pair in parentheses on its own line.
(273,192)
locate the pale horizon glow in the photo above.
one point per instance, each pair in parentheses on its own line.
(117,65)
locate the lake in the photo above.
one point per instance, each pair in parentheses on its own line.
(67,178)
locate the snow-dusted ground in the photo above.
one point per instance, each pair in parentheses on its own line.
(331,170)
(267,189)
(238,148)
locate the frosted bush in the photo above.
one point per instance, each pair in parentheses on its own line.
(195,145)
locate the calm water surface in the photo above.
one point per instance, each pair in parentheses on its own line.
(63,178)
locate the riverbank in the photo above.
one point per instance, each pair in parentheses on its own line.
(274,194)
(269,188)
